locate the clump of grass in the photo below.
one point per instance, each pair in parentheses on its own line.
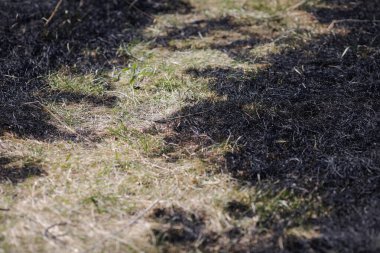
(148,144)
(275,206)
(101,202)
(151,77)
(136,73)
(272,206)
(69,115)
(168,84)
(89,84)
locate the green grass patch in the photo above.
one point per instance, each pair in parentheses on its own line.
(89,84)
(271,207)
(275,206)
(103,203)
(148,144)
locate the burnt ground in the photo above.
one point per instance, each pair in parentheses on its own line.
(308,122)
(83,35)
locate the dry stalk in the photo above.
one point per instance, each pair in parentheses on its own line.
(54,12)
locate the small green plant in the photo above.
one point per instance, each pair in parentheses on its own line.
(137,73)
(167,84)
(101,202)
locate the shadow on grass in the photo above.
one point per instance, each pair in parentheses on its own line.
(308,122)
(83,35)
(17,174)
(224,34)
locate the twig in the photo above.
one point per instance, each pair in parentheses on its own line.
(180,117)
(4,209)
(57,118)
(49,235)
(54,12)
(297,5)
(334,22)
(155,165)
(132,4)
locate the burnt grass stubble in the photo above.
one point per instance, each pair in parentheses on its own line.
(314,132)
(313,129)
(82,36)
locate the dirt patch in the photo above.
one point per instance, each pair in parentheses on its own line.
(179,226)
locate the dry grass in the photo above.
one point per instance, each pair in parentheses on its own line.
(114,170)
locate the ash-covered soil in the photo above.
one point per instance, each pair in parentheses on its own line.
(82,35)
(307,122)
